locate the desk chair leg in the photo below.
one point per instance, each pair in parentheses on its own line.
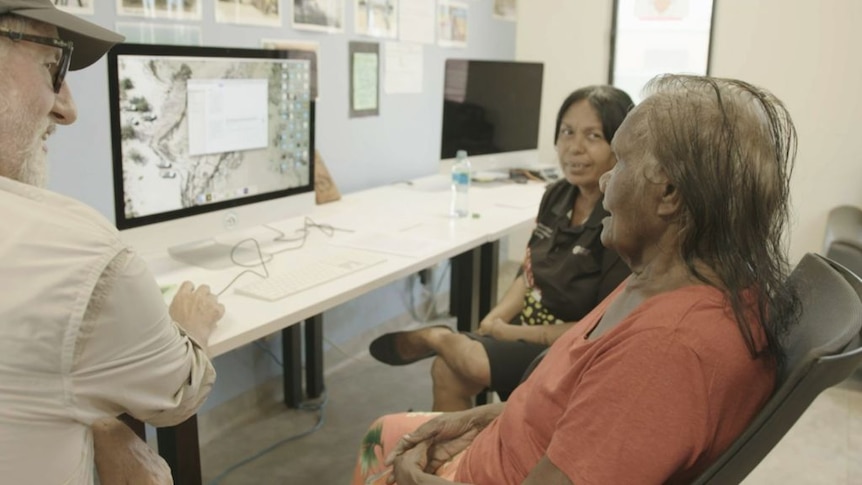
(464,289)
(314,356)
(179,446)
(291,355)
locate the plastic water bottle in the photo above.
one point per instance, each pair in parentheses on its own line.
(460,185)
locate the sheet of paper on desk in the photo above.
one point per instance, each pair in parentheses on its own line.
(353,222)
(391,243)
(519,196)
(515,204)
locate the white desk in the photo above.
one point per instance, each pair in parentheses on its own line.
(399,212)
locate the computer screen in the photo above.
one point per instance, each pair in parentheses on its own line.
(208,139)
(491,107)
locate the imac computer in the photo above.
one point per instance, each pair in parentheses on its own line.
(207,141)
(491,109)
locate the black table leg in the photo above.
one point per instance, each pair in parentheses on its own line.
(291,355)
(179,446)
(490,270)
(138,427)
(314,356)
(464,289)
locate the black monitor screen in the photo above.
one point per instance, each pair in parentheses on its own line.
(196,129)
(490,106)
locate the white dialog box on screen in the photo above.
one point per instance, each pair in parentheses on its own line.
(227,115)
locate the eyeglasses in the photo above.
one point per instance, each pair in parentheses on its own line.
(58,69)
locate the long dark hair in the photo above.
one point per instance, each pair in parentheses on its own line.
(729,148)
(611,104)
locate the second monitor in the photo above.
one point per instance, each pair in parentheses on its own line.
(491,109)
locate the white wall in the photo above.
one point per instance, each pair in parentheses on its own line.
(572,38)
(807,53)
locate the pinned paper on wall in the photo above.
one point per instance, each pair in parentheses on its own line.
(403,68)
(364,79)
(416,18)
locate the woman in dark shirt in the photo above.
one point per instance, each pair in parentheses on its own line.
(566,270)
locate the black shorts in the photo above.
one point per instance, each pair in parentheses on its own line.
(509,361)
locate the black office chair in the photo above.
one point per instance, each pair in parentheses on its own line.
(843,239)
(822,350)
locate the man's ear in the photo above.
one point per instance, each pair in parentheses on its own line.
(670,202)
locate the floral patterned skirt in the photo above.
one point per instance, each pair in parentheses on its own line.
(381,438)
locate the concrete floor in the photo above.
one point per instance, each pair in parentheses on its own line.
(357,394)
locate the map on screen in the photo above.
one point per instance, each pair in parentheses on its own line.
(201,130)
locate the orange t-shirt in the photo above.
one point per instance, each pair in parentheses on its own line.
(656,399)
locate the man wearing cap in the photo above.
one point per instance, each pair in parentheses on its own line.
(84,332)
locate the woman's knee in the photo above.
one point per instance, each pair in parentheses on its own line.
(441,373)
(463,370)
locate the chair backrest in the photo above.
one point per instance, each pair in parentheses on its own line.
(823,349)
(842,242)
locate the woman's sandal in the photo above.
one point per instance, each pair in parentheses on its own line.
(384,348)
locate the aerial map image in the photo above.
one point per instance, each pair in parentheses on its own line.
(196,131)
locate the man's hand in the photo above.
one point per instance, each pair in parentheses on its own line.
(122,458)
(196,311)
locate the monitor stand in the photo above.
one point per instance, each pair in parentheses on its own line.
(211,254)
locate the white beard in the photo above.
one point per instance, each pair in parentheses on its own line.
(21,155)
(33,171)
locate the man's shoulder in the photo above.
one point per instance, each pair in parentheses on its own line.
(46,211)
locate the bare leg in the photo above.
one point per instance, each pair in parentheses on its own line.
(460,371)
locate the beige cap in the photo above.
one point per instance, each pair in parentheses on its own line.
(90,41)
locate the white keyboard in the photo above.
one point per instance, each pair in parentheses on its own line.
(310,274)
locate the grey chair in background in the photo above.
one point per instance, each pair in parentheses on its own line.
(843,240)
(822,350)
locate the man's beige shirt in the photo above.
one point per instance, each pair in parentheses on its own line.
(84,334)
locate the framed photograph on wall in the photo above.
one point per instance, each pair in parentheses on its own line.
(77,7)
(364,72)
(651,37)
(148,33)
(319,15)
(164,9)
(506,10)
(377,18)
(245,12)
(452,25)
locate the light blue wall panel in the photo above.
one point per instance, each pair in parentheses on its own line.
(401,143)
